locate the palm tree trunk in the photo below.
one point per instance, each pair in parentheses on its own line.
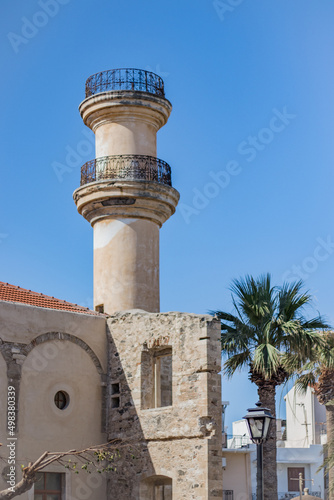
(330,444)
(267,396)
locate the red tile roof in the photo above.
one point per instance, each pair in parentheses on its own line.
(11,293)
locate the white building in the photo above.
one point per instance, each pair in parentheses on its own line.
(306,420)
(299,450)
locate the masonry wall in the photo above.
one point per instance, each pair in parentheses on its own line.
(180,442)
(44,351)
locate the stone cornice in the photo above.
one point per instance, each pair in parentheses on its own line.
(126,199)
(119,106)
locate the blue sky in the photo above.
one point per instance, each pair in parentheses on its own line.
(250,143)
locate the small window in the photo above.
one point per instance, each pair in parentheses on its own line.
(157,378)
(162,379)
(49,486)
(162,492)
(115,395)
(62,400)
(156,488)
(99,308)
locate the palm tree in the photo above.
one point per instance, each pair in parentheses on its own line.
(267,334)
(319,374)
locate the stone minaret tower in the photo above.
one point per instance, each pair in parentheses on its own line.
(126,192)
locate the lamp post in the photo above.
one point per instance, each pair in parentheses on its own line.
(258,422)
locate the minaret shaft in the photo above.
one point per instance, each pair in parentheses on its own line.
(126,192)
(134,282)
(128,137)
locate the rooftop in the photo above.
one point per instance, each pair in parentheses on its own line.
(12,293)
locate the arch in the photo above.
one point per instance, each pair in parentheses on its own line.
(51,367)
(45,337)
(156,488)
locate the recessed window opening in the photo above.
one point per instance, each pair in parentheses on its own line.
(162,364)
(162,492)
(115,395)
(156,378)
(156,488)
(61,400)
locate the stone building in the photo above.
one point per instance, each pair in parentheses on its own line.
(124,370)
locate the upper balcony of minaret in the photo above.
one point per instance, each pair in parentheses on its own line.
(125,108)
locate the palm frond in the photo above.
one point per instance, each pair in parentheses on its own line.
(304,381)
(318,323)
(256,297)
(236,363)
(291,300)
(268,331)
(292,363)
(223,315)
(266,360)
(237,340)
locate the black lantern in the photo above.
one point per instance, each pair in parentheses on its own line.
(258,423)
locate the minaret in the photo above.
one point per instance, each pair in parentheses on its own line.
(126,192)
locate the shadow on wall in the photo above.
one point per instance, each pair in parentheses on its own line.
(136,477)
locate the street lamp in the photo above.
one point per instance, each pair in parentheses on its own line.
(258,423)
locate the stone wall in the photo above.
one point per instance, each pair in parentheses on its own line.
(181,442)
(155,376)
(43,351)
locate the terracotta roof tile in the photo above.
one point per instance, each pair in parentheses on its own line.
(11,293)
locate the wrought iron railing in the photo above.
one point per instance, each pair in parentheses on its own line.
(234,441)
(126,167)
(125,79)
